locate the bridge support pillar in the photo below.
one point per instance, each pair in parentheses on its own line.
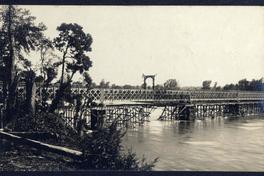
(232,109)
(262,107)
(186,113)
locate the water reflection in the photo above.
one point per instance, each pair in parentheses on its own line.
(219,144)
(184,127)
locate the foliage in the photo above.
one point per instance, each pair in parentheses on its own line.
(74,44)
(114,86)
(244,84)
(87,80)
(104,84)
(206,85)
(19,35)
(257,85)
(26,35)
(218,88)
(215,87)
(171,84)
(159,87)
(49,63)
(103,150)
(45,123)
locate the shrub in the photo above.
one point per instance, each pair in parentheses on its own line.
(103,150)
(46,123)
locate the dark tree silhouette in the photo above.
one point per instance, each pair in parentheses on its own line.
(19,34)
(74,44)
(46,49)
(206,85)
(171,84)
(104,84)
(244,84)
(87,80)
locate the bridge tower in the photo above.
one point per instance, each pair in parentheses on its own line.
(145,77)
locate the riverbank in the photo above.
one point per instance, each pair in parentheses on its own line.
(24,158)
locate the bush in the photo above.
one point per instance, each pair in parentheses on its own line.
(103,150)
(46,123)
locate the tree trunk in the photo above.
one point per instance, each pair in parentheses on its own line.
(11,84)
(11,100)
(63,64)
(30,93)
(59,95)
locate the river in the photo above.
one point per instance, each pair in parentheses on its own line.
(220,144)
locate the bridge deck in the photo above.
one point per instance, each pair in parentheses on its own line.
(137,96)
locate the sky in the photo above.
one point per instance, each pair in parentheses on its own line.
(186,43)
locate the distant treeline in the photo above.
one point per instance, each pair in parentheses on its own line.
(172,84)
(169,84)
(244,84)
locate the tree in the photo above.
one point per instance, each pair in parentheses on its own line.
(243,84)
(230,87)
(256,85)
(19,34)
(171,84)
(103,84)
(206,85)
(74,44)
(87,80)
(218,88)
(215,85)
(47,56)
(114,86)
(159,87)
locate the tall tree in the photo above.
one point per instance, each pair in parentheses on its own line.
(19,34)
(46,55)
(74,44)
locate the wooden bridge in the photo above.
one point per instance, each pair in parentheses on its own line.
(177,104)
(111,95)
(133,106)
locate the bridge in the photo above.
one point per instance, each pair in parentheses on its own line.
(112,96)
(135,105)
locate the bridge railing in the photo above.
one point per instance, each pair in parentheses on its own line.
(143,94)
(133,94)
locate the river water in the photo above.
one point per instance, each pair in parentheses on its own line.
(221,144)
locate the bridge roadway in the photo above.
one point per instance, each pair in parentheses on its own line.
(117,97)
(177,104)
(134,106)
(133,96)
(114,96)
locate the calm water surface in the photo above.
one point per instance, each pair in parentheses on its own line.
(211,145)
